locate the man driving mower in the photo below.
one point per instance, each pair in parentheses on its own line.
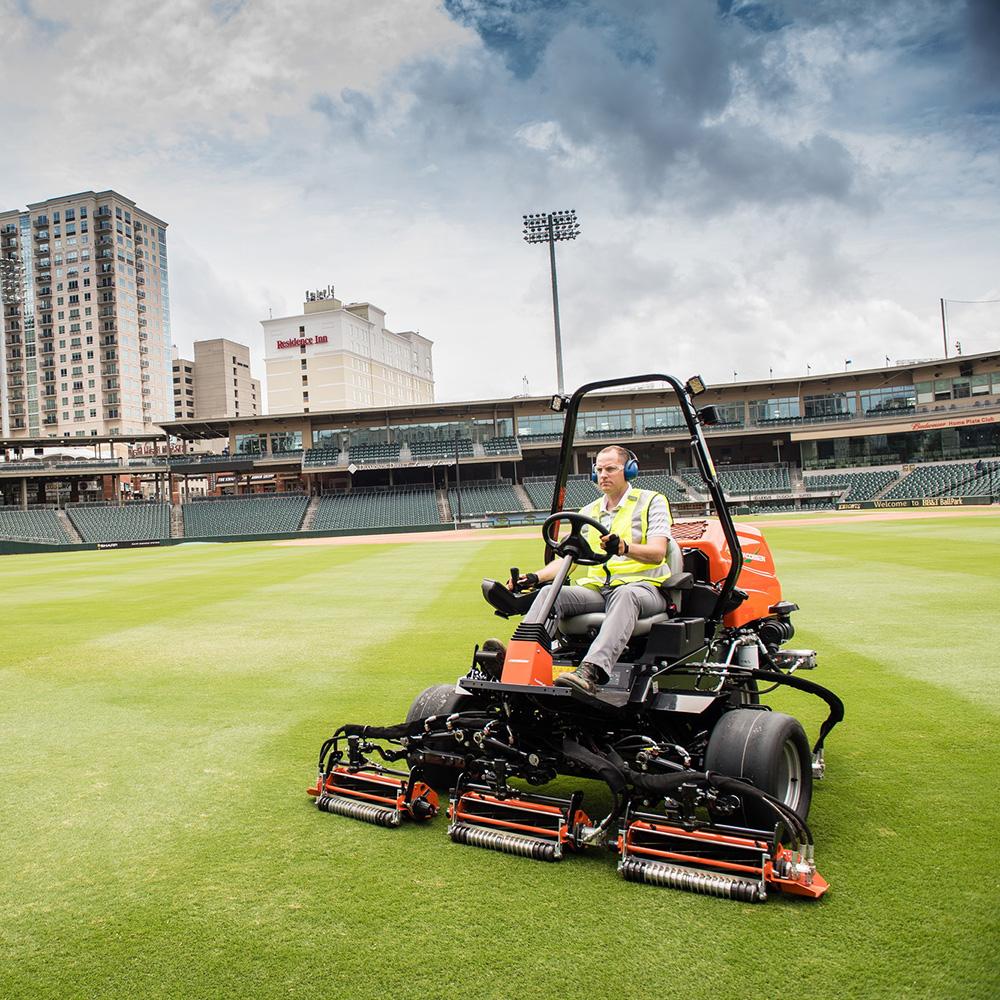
(627,586)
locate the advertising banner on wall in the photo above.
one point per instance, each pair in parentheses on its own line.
(909,504)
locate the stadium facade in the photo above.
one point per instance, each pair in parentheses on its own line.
(919,434)
(925,411)
(85,333)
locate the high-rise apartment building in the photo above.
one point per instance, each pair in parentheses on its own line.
(85,330)
(335,356)
(217,383)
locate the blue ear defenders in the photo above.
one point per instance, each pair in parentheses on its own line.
(631,468)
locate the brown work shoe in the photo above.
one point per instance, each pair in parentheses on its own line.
(584,678)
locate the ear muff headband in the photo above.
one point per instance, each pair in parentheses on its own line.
(631,468)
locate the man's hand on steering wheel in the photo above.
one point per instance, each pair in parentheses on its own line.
(614,545)
(574,544)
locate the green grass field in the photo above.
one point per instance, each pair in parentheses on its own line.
(161,712)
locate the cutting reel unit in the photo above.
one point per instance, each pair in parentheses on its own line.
(680,828)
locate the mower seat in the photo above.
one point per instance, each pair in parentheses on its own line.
(673,585)
(584,624)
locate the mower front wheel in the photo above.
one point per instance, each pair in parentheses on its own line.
(768,749)
(439,699)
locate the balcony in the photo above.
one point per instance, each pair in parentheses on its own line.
(41,220)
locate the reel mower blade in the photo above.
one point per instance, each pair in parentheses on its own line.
(384,799)
(532,826)
(727,862)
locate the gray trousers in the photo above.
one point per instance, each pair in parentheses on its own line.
(624,605)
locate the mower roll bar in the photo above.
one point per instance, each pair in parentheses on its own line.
(702,456)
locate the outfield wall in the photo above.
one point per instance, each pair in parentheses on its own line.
(909,503)
(12,547)
(9,547)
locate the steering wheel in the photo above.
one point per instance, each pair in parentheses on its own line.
(574,544)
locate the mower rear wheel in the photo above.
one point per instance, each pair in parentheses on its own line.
(440,699)
(768,749)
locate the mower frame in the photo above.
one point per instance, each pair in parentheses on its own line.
(662,733)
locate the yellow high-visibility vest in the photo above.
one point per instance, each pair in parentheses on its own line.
(629,522)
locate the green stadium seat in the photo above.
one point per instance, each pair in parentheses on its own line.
(376,509)
(31,526)
(262,514)
(128,522)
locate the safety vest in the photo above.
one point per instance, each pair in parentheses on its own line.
(629,522)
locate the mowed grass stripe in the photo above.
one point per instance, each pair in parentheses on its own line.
(161,719)
(233,885)
(916,597)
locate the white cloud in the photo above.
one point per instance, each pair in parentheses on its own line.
(750,199)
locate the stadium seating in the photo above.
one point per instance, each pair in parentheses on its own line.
(376,509)
(125,523)
(361,454)
(745,481)
(252,515)
(860,485)
(441,449)
(502,446)
(579,492)
(485,498)
(320,456)
(663,483)
(958,479)
(31,526)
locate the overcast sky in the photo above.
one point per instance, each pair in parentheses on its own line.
(759,185)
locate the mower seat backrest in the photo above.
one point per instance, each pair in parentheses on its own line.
(591,622)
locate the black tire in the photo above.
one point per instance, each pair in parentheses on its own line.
(440,699)
(768,749)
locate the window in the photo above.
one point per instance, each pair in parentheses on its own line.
(834,404)
(775,410)
(888,399)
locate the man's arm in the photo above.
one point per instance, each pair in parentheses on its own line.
(544,575)
(654,549)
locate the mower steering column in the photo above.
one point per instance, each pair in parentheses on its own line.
(540,610)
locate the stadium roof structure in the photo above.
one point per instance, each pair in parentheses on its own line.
(78,442)
(222,427)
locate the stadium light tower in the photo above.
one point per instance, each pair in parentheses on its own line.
(549,227)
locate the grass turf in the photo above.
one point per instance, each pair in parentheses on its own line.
(162,710)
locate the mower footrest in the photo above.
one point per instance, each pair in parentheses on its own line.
(693,880)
